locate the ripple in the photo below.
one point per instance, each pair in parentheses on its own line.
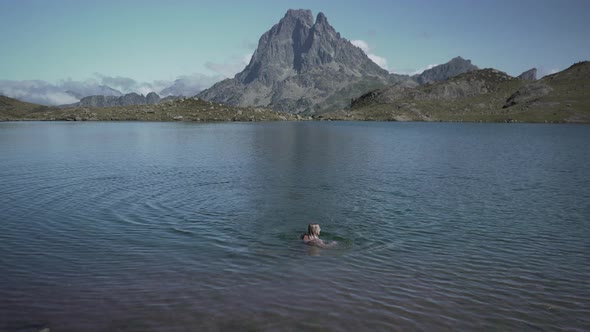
(206,220)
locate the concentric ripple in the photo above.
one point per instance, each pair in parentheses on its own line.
(181,227)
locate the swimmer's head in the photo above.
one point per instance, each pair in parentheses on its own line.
(313,229)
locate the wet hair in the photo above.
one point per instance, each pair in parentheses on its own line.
(313,230)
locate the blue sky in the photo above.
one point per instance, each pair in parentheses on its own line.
(151,41)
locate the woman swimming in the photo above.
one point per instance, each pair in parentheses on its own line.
(312,237)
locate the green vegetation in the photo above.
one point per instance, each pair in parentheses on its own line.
(479,96)
(16,109)
(568,102)
(476,96)
(190,109)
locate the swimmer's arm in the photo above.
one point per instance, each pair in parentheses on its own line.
(321,243)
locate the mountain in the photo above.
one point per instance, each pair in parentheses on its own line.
(152,98)
(302,66)
(486,95)
(443,72)
(565,94)
(529,75)
(481,95)
(111,101)
(467,85)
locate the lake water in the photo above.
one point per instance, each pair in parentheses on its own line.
(195,227)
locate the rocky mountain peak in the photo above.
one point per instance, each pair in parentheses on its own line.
(152,98)
(529,75)
(321,19)
(279,49)
(460,60)
(439,73)
(298,64)
(302,15)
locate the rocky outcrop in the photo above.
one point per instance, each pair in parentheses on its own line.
(302,66)
(99,101)
(152,98)
(528,93)
(132,99)
(529,75)
(443,72)
(466,85)
(112,101)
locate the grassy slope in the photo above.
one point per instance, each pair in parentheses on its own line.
(14,109)
(568,102)
(181,110)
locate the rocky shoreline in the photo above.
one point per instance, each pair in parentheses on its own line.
(185,109)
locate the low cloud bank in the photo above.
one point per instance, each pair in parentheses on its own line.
(70,91)
(188,85)
(38,92)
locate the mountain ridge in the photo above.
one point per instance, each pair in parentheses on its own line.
(300,66)
(481,95)
(454,67)
(484,95)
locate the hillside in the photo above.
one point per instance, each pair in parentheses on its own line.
(11,108)
(481,95)
(563,96)
(189,109)
(443,72)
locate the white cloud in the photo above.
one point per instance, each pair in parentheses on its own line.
(39,92)
(86,88)
(188,85)
(381,61)
(231,68)
(69,91)
(363,45)
(413,71)
(123,84)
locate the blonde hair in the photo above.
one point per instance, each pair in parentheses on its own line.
(313,230)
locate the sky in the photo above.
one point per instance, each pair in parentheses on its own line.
(147,45)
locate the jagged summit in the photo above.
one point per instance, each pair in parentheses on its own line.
(298,65)
(529,75)
(456,66)
(304,15)
(296,45)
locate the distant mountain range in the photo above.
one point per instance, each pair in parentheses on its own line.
(303,66)
(478,95)
(300,66)
(110,101)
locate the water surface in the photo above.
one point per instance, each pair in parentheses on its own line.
(186,226)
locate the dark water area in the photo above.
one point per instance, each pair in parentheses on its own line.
(195,227)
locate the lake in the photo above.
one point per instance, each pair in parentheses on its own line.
(195,227)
